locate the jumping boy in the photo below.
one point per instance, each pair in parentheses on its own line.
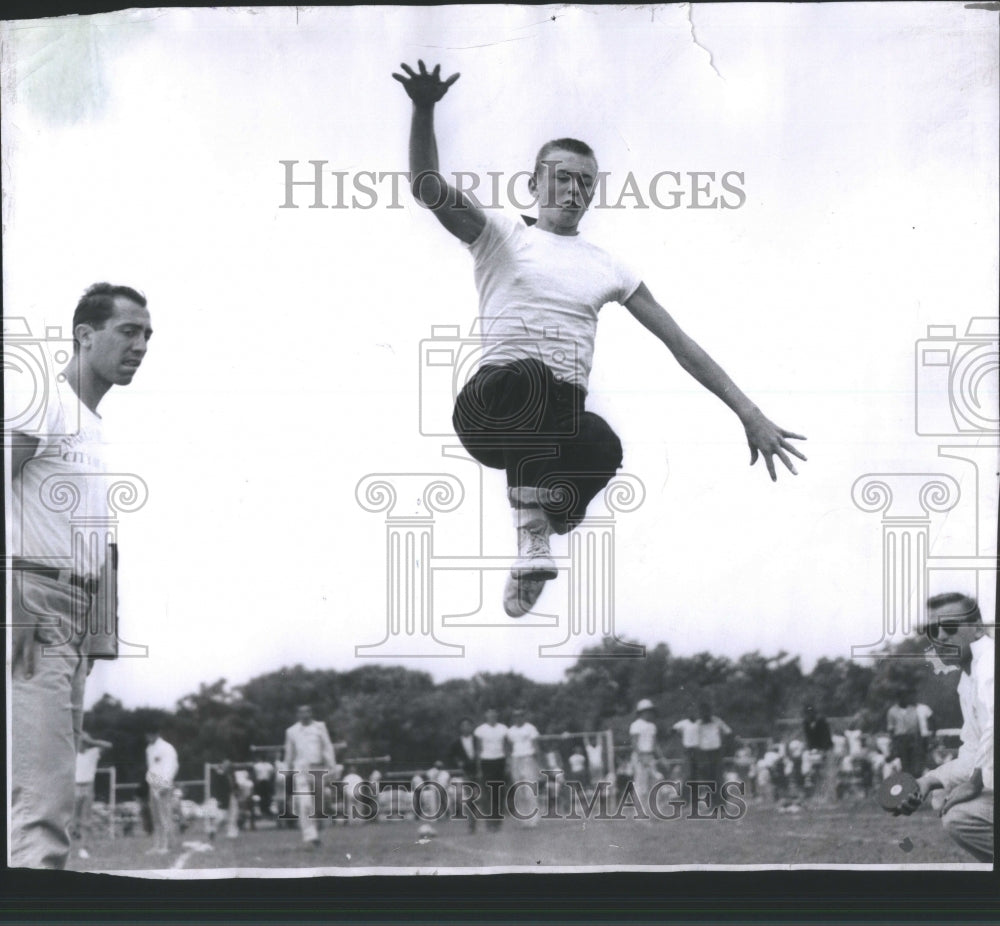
(540,288)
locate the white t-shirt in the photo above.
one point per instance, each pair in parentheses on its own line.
(710,733)
(688,730)
(540,293)
(64,483)
(924,714)
(86,765)
(309,745)
(595,758)
(522,740)
(492,740)
(645,730)
(161,760)
(351,782)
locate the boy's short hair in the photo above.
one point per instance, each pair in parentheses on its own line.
(97,305)
(573,145)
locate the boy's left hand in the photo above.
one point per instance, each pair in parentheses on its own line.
(766,438)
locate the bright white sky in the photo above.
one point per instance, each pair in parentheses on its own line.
(144,148)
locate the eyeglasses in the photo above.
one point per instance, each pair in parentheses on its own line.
(950,628)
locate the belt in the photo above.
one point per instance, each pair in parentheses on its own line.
(63,576)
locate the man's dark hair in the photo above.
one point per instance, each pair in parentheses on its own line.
(970,607)
(97,305)
(573,145)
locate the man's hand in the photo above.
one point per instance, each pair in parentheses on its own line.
(966,791)
(424,89)
(765,437)
(916,797)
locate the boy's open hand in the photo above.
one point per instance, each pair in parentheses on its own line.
(423,88)
(765,437)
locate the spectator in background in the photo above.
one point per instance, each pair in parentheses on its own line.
(308,748)
(162,767)
(87,756)
(595,759)
(223,800)
(903,724)
(491,763)
(926,717)
(818,739)
(351,782)
(577,764)
(462,758)
(645,752)
(712,733)
(263,785)
(525,764)
(688,729)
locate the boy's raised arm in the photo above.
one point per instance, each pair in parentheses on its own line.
(456,212)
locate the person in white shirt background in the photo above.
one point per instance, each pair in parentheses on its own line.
(645,752)
(525,765)
(955,627)
(161,770)
(491,760)
(308,748)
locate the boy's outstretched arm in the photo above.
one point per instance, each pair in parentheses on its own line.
(456,212)
(764,436)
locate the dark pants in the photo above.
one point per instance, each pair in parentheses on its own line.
(518,418)
(494,784)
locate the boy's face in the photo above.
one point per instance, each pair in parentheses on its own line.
(564,186)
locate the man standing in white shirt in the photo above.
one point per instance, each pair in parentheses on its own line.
(541,288)
(161,770)
(525,764)
(645,752)
(308,748)
(712,732)
(955,627)
(491,759)
(688,729)
(56,456)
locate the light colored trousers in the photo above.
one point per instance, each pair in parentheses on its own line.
(161,808)
(46,722)
(970,824)
(305,805)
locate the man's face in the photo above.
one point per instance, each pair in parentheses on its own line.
(305,715)
(491,717)
(951,634)
(115,351)
(466,727)
(564,185)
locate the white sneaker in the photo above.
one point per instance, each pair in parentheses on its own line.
(534,556)
(520,594)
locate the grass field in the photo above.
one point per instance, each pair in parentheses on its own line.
(848,834)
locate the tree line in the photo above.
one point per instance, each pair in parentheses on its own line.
(392,710)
